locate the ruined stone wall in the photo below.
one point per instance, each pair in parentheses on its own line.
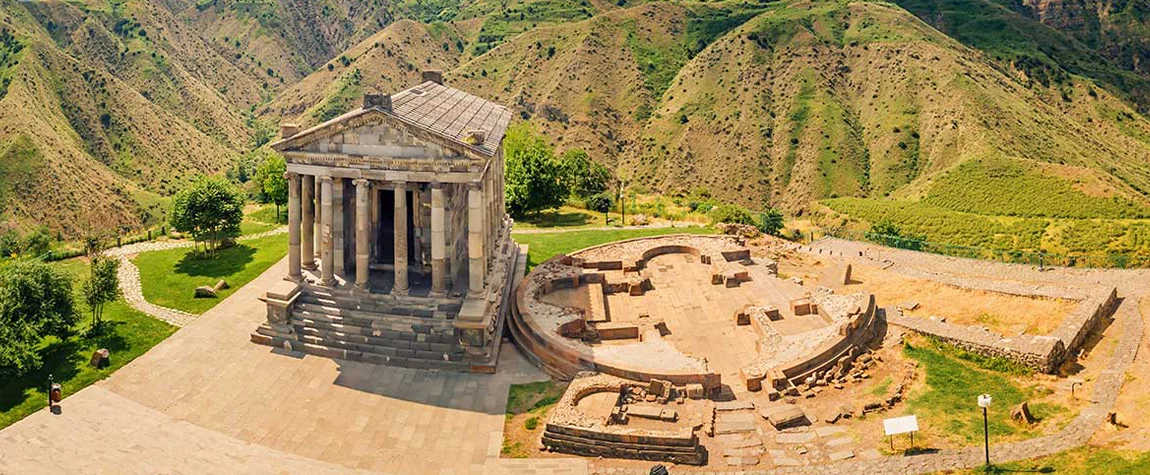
(1042,353)
(569,430)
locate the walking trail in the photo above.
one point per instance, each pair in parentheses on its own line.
(130,276)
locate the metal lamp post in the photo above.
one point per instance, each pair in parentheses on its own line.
(984,402)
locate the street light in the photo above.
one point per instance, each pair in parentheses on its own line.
(984,402)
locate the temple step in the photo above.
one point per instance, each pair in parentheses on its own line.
(333,349)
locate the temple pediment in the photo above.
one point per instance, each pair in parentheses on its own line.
(427,121)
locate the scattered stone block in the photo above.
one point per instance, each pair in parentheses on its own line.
(204,292)
(911,305)
(100,358)
(658,387)
(654,413)
(843,455)
(846,275)
(791,438)
(696,391)
(1021,413)
(783,416)
(743,315)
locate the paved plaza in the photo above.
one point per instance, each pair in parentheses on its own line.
(207,400)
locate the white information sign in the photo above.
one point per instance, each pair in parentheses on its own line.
(900,425)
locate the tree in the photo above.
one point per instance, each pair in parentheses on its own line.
(586,178)
(535,180)
(771,222)
(102,286)
(273,185)
(210,210)
(38,241)
(732,214)
(35,301)
(601,203)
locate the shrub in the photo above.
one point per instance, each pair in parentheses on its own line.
(771,222)
(731,213)
(535,179)
(35,301)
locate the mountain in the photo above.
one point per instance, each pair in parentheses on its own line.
(109,107)
(1030,109)
(785,103)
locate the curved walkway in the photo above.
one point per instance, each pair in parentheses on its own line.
(133,290)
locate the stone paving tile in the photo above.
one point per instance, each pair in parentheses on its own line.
(206,400)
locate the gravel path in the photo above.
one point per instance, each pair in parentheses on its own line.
(130,276)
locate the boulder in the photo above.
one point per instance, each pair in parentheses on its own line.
(100,358)
(205,292)
(695,391)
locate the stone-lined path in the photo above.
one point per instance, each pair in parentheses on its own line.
(130,276)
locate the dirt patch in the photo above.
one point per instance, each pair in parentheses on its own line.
(527,409)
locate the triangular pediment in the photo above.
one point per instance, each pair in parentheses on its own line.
(371,133)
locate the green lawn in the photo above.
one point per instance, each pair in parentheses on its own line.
(566,217)
(948,406)
(545,245)
(128,334)
(1085,460)
(170,277)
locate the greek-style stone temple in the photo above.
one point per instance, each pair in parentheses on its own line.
(399,247)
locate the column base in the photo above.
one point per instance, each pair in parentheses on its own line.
(310,265)
(400,292)
(294,278)
(437,294)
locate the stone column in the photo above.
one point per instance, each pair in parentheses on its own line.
(308,222)
(327,264)
(337,194)
(362,225)
(400,220)
(319,213)
(438,243)
(374,231)
(475,239)
(294,273)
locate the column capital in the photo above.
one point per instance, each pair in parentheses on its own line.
(399,183)
(291,176)
(325,179)
(361,182)
(475,185)
(436,185)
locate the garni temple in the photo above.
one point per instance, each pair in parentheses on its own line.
(399,247)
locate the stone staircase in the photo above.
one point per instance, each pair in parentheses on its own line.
(411,334)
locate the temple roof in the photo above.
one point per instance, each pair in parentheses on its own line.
(443,111)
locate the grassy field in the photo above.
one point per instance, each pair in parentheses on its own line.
(170,277)
(545,245)
(947,404)
(128,334)
(567,217)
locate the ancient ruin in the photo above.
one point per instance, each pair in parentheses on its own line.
(399,247)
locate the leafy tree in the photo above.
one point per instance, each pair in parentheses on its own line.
(771,222)
(535,179)
(11,243)
(273,185)
(601,203)
(38,241)
(586,177)
(731,213)
(35,301)
(210,210)
(102,286)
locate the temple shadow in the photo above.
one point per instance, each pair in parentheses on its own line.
(470,392)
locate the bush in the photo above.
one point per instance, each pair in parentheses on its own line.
(35,302)
(771,222)
(38,242)
(600,203)
(731,213)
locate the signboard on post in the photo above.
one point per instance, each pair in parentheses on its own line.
(900,425)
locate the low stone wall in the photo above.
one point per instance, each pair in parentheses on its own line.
(1042,353)
(569,430)
(1078,325)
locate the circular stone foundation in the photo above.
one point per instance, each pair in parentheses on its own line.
(687,309)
